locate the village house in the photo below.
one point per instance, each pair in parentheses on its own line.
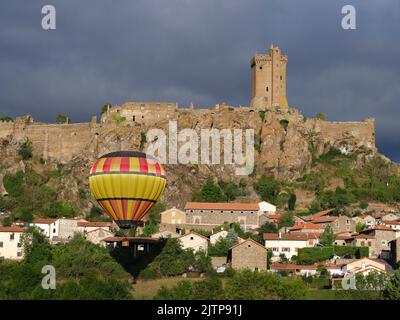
(304,270)
(367,220)
(195,241)
(338,223)
(87,226)
(222,235)
(165,234)
(98,235)
(207,215)
(10,243)
(49,227)
(306,227)
(380,247)
(288,244)
(363,240)
(248,255)
(364,266)
(173,216)
(385,216)
(218,235)
(393,224)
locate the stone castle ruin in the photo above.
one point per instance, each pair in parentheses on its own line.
(286,141)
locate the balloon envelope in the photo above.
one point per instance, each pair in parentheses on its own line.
(126,185)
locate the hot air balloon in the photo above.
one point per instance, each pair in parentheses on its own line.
(127,185)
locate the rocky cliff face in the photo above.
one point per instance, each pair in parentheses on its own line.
(285,144)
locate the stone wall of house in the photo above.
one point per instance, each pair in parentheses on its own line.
(216,217)
(249,255)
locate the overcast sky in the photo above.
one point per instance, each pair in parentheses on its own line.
(199,50)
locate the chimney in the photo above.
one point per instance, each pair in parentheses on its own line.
(280,235)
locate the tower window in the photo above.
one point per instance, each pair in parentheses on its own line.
(260,68)
(281,77)
(266,89)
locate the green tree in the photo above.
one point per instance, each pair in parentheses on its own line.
(62,119)
(286,220)
(105,107)
(320,116)
(25,150)
(327,237)
(6,119)
(267,188)
(210,192)
(292,202)
(392,291)
(360,226)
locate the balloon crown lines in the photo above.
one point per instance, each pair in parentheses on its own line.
(188,146)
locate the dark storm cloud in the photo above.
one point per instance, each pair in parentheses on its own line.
(182,50)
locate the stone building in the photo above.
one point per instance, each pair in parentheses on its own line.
(248,255)
(98,235)
(338,223)
(269,80)
(173,216)
(141,112)
(381,246)
(211,214)
(363,240)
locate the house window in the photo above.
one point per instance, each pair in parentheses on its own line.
(1,244)
(211,211)
(369,243)
(19,245)
(267,89)
(275,249)
(222,211)
(191,238)
(19,254)
(348,221)
(12,236)
(54,230)
(260,68)
(133,118)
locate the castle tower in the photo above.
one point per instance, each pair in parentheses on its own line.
(268,72)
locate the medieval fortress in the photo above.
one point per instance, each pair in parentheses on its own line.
(286,140)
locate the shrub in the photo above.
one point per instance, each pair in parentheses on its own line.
(25,150)
(117,118)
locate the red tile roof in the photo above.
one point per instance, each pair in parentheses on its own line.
(45,221)
(394,222)
(382,228)
(324,219)
(222,206)
(11,229)
(306,225)
(95,224)
(294,236)
(318,215)
(272,216)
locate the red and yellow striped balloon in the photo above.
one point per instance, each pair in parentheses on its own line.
(127,184)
